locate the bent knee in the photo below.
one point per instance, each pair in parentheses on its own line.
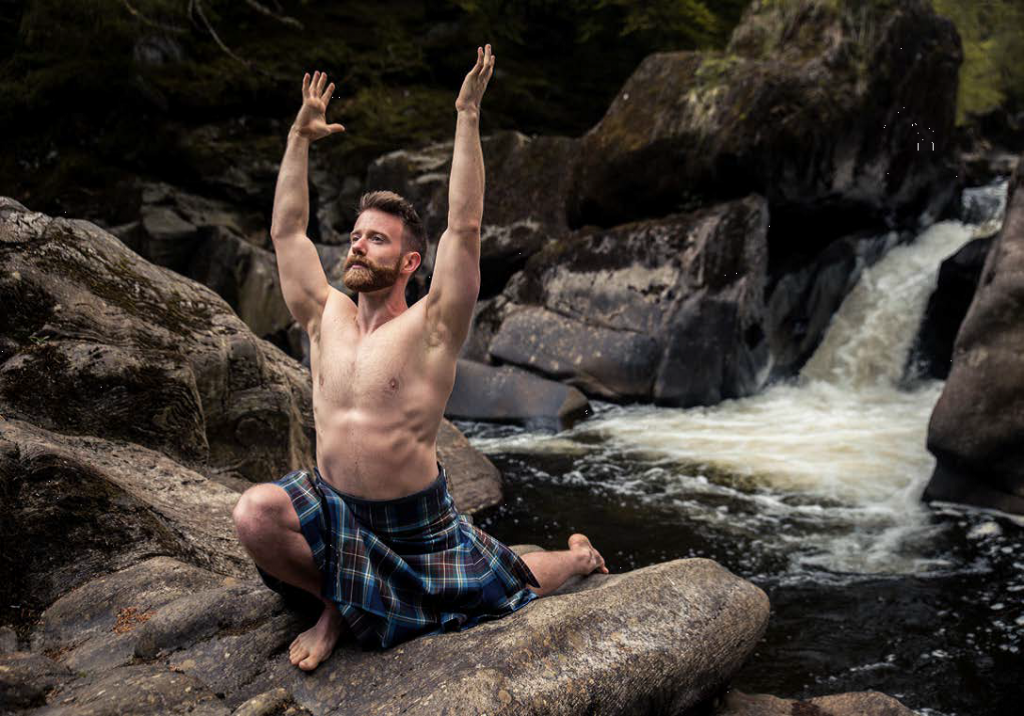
(263,507)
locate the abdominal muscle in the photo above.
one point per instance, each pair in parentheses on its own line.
(370,454)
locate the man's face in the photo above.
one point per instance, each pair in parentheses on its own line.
(375,254)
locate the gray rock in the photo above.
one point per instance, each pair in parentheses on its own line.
(105,343)
(127,503)
(8,640)
(932,353)
(474,481)
(224,248)
(664,637)
(140,690)
(668,310)
(26,680)
(600,361)
(820,108)
(866,703)
(507,394)
(277,702)
(976,426)
(96,627)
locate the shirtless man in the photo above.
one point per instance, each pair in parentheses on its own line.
(382,373)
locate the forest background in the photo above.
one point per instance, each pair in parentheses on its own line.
(95,92)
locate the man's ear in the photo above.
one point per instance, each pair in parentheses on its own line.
(412,261)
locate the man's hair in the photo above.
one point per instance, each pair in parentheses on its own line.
(414,234)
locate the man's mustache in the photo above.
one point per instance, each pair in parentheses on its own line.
(358,262)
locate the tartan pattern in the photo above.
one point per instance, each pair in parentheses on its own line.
(401,568)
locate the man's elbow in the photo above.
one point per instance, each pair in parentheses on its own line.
(465,228)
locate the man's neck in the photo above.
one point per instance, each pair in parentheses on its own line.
(378,307)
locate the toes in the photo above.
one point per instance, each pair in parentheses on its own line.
(309,663)
(297,651)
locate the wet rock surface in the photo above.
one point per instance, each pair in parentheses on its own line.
(804,298)
(976,425)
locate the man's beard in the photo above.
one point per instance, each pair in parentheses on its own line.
(371,276)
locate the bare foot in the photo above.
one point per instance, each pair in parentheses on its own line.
(314,645)
(593,560)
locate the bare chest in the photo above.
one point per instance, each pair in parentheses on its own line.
(368,371)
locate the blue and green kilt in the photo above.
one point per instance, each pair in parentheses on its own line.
(401,568)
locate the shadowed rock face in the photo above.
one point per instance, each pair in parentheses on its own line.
(976,427)
(932,355)
(819,106)
(668,310)
(657,640)
(81,506)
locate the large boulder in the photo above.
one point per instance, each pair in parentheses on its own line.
(524,205)
(660,639)
(668,310)
(829,109)
(474,481)
(97,341)
(976,427)
(507,394)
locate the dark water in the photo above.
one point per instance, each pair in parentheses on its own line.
(944,640)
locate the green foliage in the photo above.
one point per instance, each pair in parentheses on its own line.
(659,24)
(116,85)
(992,74)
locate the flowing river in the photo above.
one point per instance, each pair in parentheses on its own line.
(811,490)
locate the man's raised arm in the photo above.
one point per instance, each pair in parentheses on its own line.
(303,281)
(456,280)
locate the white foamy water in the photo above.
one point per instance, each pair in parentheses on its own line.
(839,452)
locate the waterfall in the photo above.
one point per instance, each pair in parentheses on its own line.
(839,451)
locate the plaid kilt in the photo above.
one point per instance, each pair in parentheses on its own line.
(401,568)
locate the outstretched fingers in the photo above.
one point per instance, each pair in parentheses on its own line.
(313,87)
(488,69)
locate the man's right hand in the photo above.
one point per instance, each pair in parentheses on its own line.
(311,121)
